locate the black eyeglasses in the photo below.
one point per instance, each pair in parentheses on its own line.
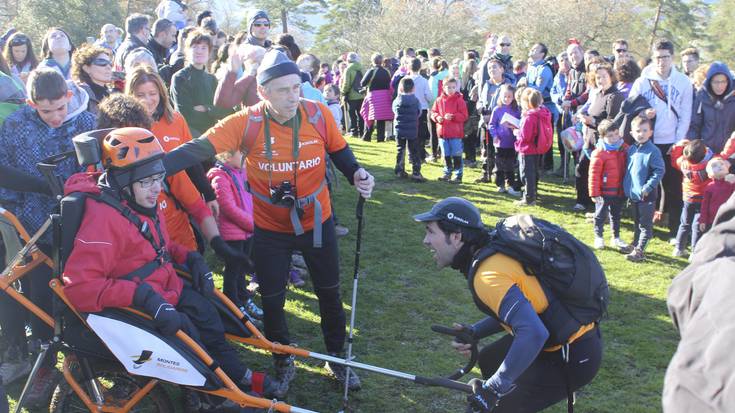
(621,50)
(100,61)
(504,44)
(262,24)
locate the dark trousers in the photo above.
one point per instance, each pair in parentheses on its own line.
(505,163)
(488,151)
(471,138)
(689,225)
(562,123)
(208,323)
(670,196)
(612,206)
(380,126)
(581,176)
(529,165)
(3,399)
(234,284)
(643,222)
(415,149)
(357,124)
(544,383)
(547,162)
(434,136)
(272,254)
(424,135)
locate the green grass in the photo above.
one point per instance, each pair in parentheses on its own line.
(401,294)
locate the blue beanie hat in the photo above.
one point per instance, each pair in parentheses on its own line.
(275,64)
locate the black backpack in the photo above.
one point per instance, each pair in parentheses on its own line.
(566,268)
(356,81)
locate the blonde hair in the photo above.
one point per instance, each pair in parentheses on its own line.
(605,127)
(531,98)
(725,166)
(700,76)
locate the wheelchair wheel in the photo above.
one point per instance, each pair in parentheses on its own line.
(117,387)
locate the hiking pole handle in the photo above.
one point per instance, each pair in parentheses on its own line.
(360,207)
(462,336)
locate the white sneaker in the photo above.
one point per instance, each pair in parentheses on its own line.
(672,241)
(599,243)
(618,243)
(513,192)
(501,189)
(677,252)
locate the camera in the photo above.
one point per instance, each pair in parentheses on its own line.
(284,194)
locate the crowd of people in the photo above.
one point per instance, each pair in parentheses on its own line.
(634,132)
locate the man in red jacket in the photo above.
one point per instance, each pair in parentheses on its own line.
(122,255)
(450,112)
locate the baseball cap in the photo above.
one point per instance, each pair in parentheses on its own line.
(454,209)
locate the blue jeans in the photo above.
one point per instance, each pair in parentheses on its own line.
(452,148)
(643,222)
(689,223)
(612,205)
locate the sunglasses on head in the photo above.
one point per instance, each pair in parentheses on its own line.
(18,41)
(101,61)
(262,24)
(504,44)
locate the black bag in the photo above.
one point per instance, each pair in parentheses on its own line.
(632,106)
(566,268)
(356,81)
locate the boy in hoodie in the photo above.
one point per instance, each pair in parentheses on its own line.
(669,92)
(690,157)
(450,112)
(407,110)
(644,171)
(713,114)
(43,127)
(259,25)
(607,166)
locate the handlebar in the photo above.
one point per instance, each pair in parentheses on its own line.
(461,336)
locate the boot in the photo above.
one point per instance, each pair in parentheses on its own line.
(339,372)
(285,373)
(367,136)
(447,169)
(457,160)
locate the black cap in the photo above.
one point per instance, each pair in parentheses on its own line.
(456,210)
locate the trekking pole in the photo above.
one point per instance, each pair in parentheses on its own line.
(358,241)
(565,155)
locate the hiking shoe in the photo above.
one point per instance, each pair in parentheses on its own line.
(12,370)
(677,252)
(294,277)
(456,180)
(285,369)
(636,255)
(42,387)
(339,372)
(599,243)
(578,207)
(445,177)
(418,178)
(513,192)
(341,230)
(297,260)
(502,190)
(482,180)
(402,174)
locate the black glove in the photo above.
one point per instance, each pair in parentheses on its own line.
(165,317)
(228,253)
(201,276)
(483,399)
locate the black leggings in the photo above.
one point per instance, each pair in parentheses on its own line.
(544,383)
(272,254)
(235,285)
(357,125)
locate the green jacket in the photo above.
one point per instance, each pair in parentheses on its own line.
(349,79)
(191,87)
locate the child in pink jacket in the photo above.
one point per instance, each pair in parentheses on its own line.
(228,179)
(535,136)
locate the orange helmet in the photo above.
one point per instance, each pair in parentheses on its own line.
(132,154)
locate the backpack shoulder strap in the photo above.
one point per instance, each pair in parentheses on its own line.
(253,125)
(315,116)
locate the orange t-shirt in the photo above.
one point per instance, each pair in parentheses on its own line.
(172,134)
(309,168)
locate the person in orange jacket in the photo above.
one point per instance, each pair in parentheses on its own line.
(450,112)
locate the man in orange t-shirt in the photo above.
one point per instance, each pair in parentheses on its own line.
(292,210)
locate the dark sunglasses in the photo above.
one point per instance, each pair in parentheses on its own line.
(262,24)
(504,44)
(101,62)
(621,50)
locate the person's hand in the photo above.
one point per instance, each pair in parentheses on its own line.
(235,59)
(165,317)
(650,113)
(24,76)
(364,182)
(449,116)
(702,227)
(227,253)
(439,119)
(496,142)
(201,275)
(214,207)
(200,108)
(464,349)
(598,199)
(483,398)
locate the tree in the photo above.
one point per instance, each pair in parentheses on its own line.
(287,12)
(346,27)
(719,43)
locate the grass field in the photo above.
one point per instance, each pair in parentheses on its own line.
(401,294)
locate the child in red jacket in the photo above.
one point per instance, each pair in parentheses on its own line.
(450,112)
(228,179)
(717,192)
(534,139)
(607,168)
(690,157)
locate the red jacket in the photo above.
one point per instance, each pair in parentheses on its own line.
(695,175)
(107,247)
(716,193)
(729,150)
(455,105)
(607,169)
(530,133)
(236,207)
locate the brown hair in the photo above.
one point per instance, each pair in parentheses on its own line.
(45,51)
(46,84)
(532,97)
(120,111)
(20,39)
(605,127)
(143,74)
(84,57)
(198,36)
(640,120)
(609,69)
(695,151)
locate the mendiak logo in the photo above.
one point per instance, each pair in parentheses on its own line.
(144,357)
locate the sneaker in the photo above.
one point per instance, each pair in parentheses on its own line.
(297,260)
(339,372)
(482,180)
(523,202)
(253,284)
(253,309)
(401,174)
(620,245)
(677,252)
(294,277)
(513,192)
(599,243)
(42,387)
(672,241)
(589,215)
(501,190)
(12,370)
(445,177)
(578,207)
(285,369)
(341,230)
(418,178)
(636,255)
(456,180)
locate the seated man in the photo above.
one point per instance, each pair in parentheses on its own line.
(122,255)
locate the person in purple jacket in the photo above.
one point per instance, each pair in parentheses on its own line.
(504,141)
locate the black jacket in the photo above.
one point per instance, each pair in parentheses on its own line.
(381,80)
(160,53)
